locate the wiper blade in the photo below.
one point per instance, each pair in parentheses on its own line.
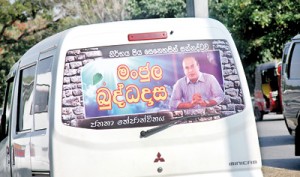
(145,134)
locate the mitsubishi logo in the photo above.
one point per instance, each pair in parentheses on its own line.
(159,158)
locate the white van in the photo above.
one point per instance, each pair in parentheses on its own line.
(103,100)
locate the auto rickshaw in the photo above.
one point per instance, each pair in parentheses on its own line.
(267,95)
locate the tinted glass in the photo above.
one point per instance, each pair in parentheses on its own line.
(295,62)
(42,93)
(26,98)
(7,107)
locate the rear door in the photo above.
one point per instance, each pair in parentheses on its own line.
(5,148)
(39,146)
(119,87)
(291,85)
(22,121)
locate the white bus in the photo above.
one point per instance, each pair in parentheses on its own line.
(157,97)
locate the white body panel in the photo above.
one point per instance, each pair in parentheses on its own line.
(224,147)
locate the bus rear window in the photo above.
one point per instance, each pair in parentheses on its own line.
(138,85)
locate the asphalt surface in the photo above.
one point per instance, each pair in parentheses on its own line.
(277,148)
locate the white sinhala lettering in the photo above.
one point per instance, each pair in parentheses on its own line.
(136,52)
(98,123)
(140,120)
(117,54)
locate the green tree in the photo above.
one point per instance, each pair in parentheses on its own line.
(143,9)
(79,12)
(260,28)
(22,24)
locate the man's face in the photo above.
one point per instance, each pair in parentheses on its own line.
(191,68)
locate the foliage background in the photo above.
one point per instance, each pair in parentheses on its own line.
(259,27)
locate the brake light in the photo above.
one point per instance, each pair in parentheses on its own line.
(147,36)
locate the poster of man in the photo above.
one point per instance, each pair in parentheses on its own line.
(196,89)
(150,88)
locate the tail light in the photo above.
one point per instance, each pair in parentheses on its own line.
(147,36)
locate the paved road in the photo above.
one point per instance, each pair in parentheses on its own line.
(276,144)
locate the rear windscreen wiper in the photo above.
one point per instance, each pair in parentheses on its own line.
(145,134)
